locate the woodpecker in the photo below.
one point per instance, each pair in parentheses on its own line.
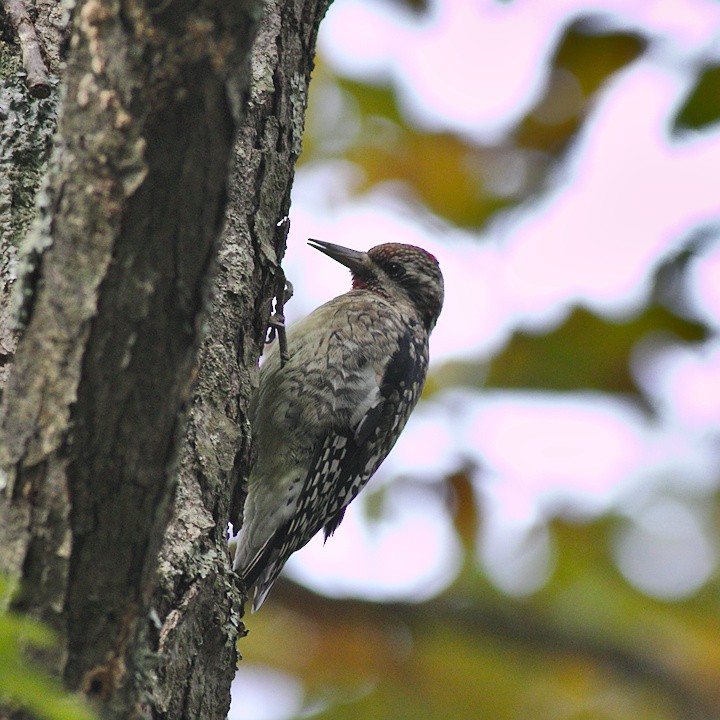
(325,420)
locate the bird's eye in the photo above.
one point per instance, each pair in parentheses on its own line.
(395,270)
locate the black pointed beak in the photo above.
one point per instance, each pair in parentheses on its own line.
(353,259)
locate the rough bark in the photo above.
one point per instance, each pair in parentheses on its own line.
(113,294)
(196,599)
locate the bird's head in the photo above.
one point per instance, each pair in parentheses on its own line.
(394,270)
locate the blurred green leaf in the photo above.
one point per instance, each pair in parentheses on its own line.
(22,684)
(374,100)
(585,353)
(702,107)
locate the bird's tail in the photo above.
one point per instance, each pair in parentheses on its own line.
(265,581)
(260,571)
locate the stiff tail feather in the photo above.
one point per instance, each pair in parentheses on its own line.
(264,583)
(261,571)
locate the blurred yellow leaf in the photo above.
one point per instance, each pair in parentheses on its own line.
(587,55)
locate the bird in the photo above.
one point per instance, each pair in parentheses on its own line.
(324,420)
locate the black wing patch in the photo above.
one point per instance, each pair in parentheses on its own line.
(332,525)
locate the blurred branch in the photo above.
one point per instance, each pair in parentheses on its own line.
(37,80)
(506,622)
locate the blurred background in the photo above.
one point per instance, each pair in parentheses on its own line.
(543,541)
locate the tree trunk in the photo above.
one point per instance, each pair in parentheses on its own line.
(126,401)
(196,596)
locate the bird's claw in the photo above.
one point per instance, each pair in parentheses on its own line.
(276,325)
